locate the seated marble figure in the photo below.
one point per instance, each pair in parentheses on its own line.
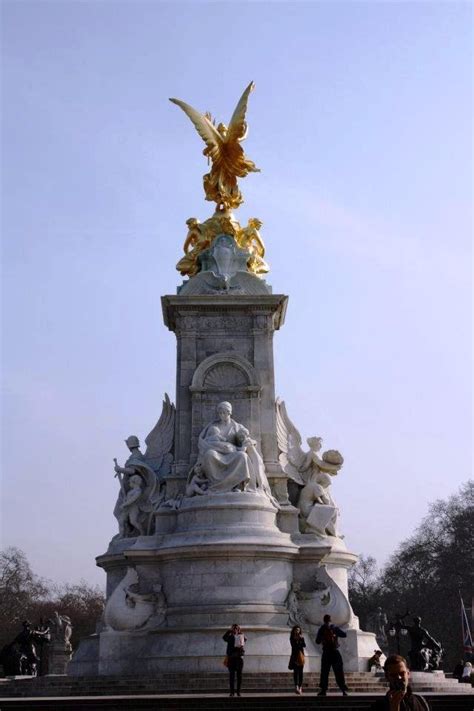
(228,459)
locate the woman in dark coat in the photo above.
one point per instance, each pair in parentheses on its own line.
(297,658)
(235,639)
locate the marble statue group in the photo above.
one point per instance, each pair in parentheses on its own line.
(223,511)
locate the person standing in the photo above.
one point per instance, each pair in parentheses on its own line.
(328,635)
(297,658)
(399,697)
(235,656)
(467,674)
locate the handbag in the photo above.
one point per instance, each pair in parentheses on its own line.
(300,658)
(291,664)
(226,661)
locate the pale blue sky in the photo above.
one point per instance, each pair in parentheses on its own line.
(361,123)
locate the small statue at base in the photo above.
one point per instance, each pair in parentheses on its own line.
(377,622)
(60,627)
(425,653)
(20,657)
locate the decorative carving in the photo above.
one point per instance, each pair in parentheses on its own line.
(262,323)
(231,359)
(224,259)
(143,476)
(295,616)
(242,283)
(225,375)
(318,511)
(221,246)
(325,597)
(224,323)
(129,609)
(225,152)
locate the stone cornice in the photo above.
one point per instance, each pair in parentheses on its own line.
(173,305)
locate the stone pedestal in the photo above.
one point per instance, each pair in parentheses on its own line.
(221,560)
(225,352)
(58,658)
(214,559)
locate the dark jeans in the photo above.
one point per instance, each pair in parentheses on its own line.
(298,676)
(236,664)
(332,658)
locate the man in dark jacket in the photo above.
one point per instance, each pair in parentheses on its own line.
(328,636)
(399,697)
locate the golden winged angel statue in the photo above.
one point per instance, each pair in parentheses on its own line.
(223,148)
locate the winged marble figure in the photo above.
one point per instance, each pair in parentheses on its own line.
(310,476)
(291,455)
(143,476)
(223,148)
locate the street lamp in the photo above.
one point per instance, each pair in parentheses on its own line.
(397,629)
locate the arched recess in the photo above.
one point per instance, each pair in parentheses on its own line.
(225,376)
(230,361)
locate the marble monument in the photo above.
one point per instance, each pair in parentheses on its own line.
(225,516)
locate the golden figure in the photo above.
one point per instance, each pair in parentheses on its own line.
(200,237)
(249,238)
(196,241)
(223,148)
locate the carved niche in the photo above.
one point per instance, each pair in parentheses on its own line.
(225,376)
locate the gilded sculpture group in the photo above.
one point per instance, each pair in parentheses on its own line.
(229,162)
(201,235)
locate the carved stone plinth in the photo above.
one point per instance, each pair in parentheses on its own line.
(222,559)
(224,352)
(58,658)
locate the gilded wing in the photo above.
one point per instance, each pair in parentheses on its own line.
(237,130)
(289,443)
(208,132)
(160,440)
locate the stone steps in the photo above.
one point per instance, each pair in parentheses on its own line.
(210,683)
(172,683)
(255,702)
